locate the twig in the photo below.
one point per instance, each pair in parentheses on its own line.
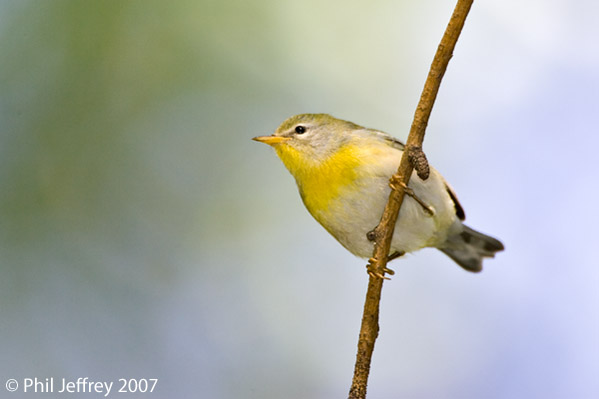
(384,231)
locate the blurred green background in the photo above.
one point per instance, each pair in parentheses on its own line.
(144,235)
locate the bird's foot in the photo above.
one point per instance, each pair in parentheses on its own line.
(375,274)
(395,183)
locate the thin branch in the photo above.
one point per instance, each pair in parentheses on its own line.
(384,231)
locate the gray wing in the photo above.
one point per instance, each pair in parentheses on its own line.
(395,143)
(459,211)
(390,140)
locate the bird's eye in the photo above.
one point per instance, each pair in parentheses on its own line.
(300,129)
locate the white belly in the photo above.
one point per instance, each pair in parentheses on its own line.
(358,210)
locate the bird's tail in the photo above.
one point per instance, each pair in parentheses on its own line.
(469,247)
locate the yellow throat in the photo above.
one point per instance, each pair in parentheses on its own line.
(320,181)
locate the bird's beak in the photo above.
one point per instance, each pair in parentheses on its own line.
(270,140)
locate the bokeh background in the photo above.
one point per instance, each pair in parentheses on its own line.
(144,235)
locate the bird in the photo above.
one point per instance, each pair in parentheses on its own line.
(342,171)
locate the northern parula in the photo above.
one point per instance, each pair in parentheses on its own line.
(342,171)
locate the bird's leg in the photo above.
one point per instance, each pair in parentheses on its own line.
(418,160)
(372,261)
(395,255)
(396,182)
(373,273)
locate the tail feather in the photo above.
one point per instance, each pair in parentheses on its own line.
(469,247)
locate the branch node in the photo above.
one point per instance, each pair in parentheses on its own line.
(417,158)
(371,235)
